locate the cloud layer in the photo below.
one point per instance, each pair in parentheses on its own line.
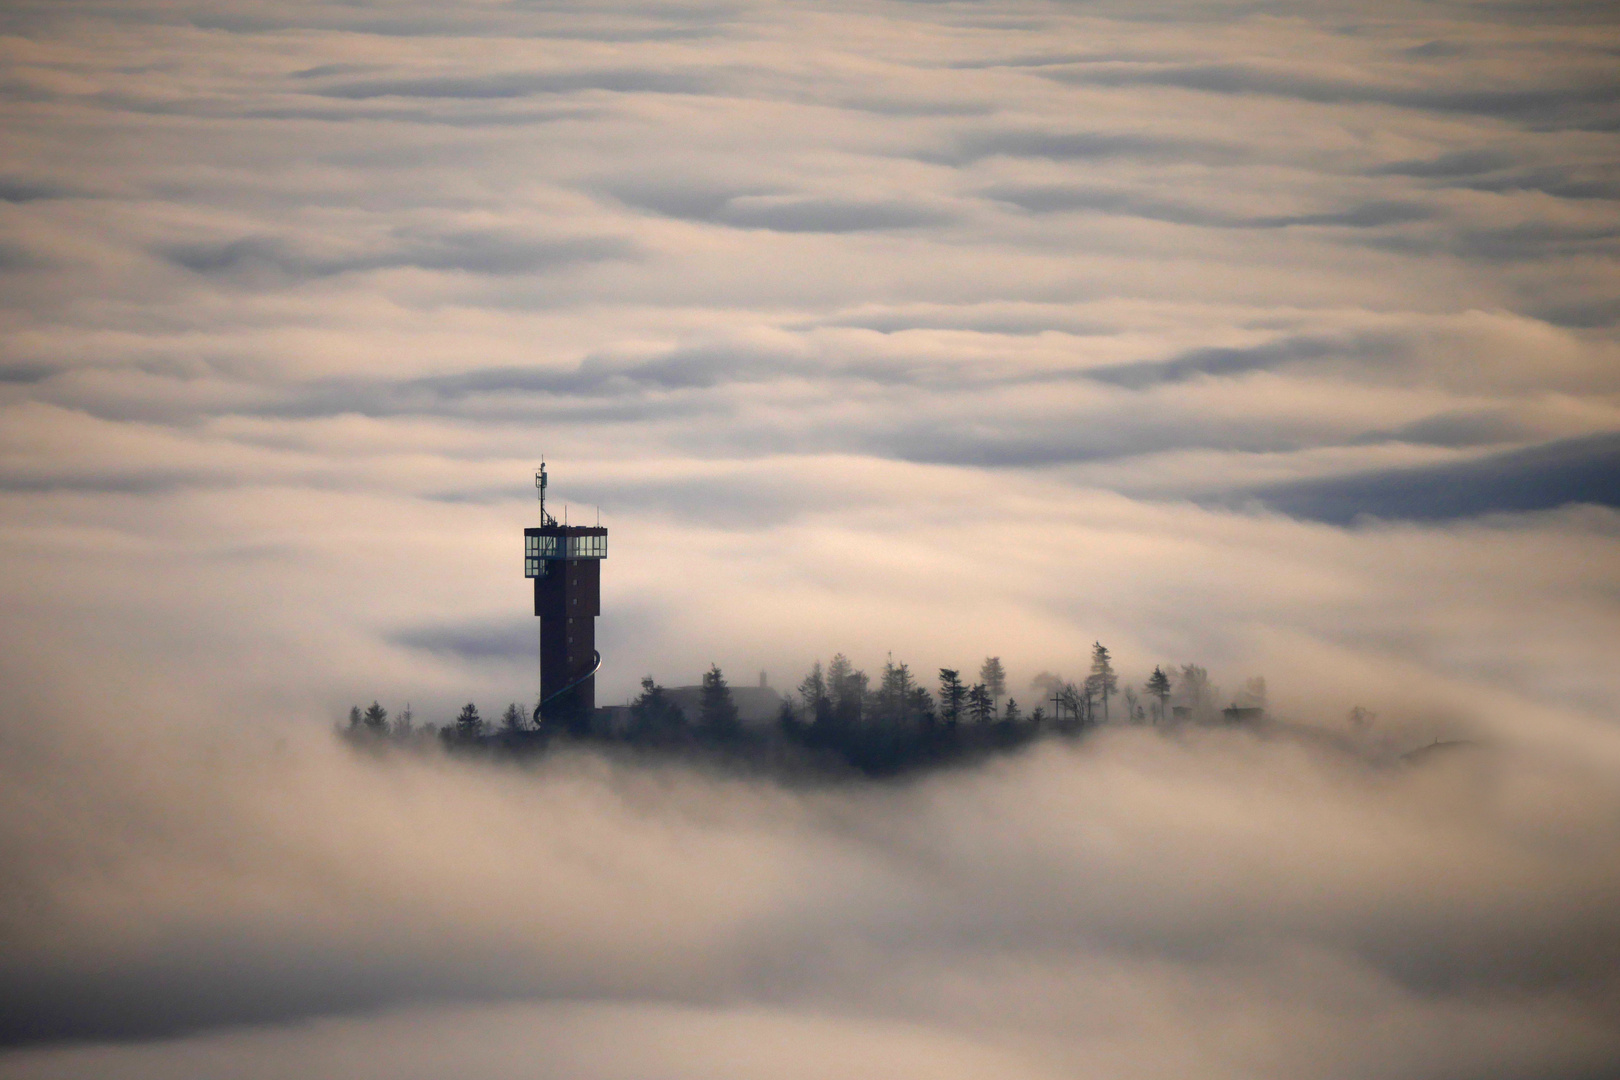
(1282,341)
(1139,905)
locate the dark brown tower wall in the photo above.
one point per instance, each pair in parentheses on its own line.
(568,600)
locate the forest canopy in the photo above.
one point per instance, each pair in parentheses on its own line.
(839,719)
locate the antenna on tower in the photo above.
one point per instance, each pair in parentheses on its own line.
(540,486)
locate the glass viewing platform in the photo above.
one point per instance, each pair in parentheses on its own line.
(558,542)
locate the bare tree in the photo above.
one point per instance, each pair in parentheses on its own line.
(1068,701)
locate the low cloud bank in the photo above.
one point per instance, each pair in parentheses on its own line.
(1136,903)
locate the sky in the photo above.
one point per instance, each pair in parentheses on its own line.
(1282,339)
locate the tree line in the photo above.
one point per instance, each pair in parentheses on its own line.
(838,718)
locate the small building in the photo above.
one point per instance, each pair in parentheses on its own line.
(1242,714)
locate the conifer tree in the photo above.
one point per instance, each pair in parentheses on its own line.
(469,725)
(654,717)
(718,712)
(894,692)
(816,692)
(375,718)
(847,685)
(994,678)
(981,706)
(813,689)
(1158,685)
(788,722)
(1102,670)
(920,705)
(952,696)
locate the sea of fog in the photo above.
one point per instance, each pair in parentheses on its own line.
(1280,339)
(1207,901)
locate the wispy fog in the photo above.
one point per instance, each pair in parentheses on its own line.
(1279,339)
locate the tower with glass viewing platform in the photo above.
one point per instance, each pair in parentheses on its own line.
(565,562)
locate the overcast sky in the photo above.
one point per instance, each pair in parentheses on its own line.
(1280,338)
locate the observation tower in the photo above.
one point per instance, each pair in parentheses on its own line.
(565,562)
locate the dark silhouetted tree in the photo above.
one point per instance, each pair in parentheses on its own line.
(1068,706)
(656,719)
(820,716)
(354,718)
(1102,670)
(981,706)
(1158,685)
(717,710)
(813,690)
(469,725)
(920,706)
(512,720)
(952,696)
(892,702)
(788,722)
(375,718)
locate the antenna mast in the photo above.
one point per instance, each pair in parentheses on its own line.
(540,486)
